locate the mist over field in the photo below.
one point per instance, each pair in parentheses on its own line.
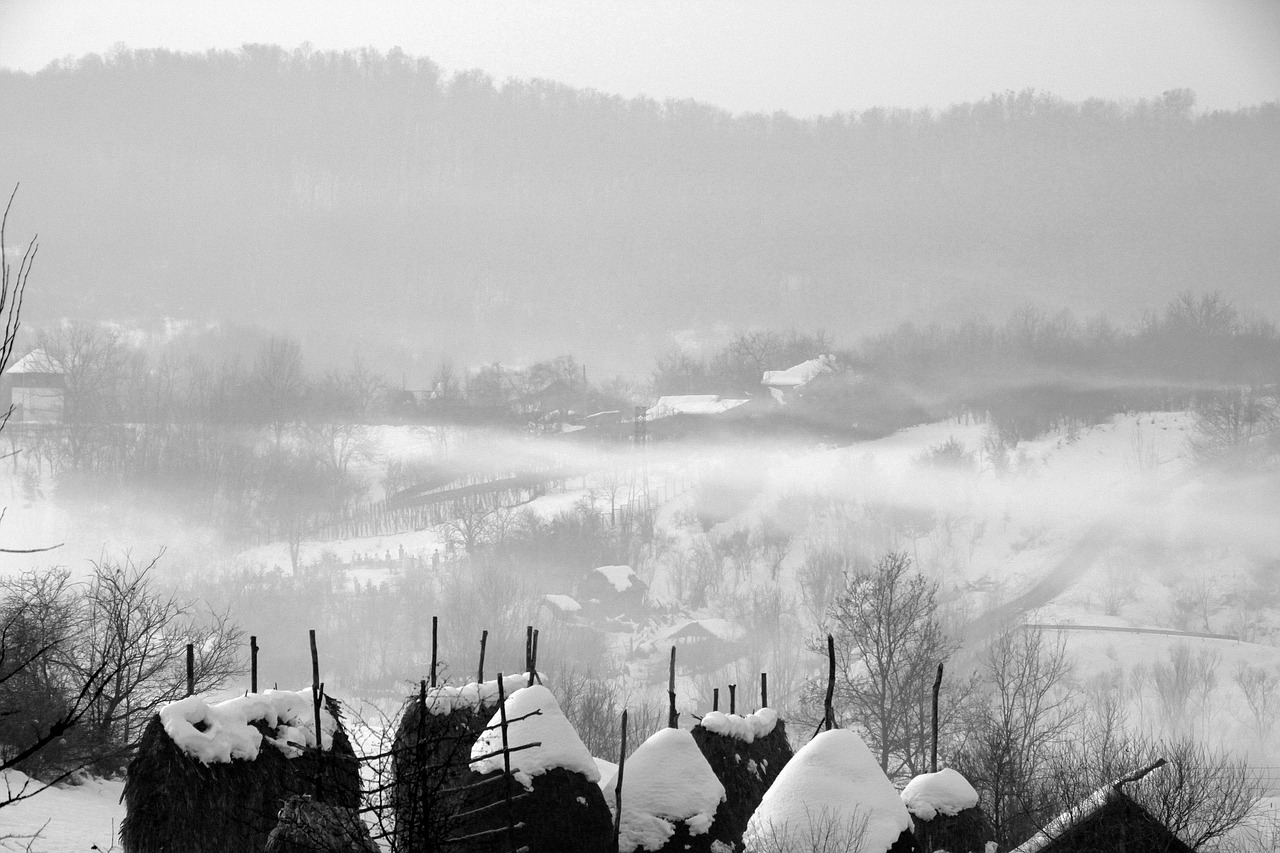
(340,341)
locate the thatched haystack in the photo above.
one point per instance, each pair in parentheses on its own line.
(430,756)
(552,797)
(213,778)
(946,814)
(831,795)
(746,754)
(670,796)
(306,826)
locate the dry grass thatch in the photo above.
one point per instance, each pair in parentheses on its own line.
(746,770)
(306,826)
(562,812)
(430,756)
(175,802)
(967,831)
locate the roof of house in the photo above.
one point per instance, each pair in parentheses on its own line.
(36,361)
(794,377)
(691,404)
(1122,815)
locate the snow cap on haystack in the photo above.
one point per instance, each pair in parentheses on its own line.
(534,716)
(945,792)
(832,783)
(666,781)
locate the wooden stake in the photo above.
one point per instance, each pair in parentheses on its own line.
(506,762)
(715,699)
(528,648)
(764,690)
(673,719)
(253,664)
(937,686)
(191,669)
(484,639)
(829,707)
(315,685)
(435,646)
(617,793)
(733,698)
(533,661)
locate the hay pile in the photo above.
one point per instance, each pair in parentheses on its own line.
(220,786)
(947,817)
(746,754)
(306,826)
(670,796)
(430,757)
(555,805)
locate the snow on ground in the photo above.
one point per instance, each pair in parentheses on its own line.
(66,818)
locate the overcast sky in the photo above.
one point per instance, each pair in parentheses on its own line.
(804,56)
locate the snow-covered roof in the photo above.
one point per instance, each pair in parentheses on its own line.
(794,377)
(945,792)
(720,629)
(691,404)
(833,785)
(620,577)
(563,603)
(667,780)
(226,733)
(36,361)
(748,728)
(534,716)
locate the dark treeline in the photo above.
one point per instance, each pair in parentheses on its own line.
(375,195)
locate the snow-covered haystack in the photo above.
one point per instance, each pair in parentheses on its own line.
(832,795)
(209,778)
(307,826)
(946,812)
(556,805)
(430,754)
(746,753)
(670,796)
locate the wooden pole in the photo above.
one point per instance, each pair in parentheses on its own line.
(733,698)
(673,719)
(191,669)
(253,664)
(764,690)
(533,660)
(435,646)
(829,706)
(933,753)
(506,762)
(315,686)
(617,792)
(715,699)
(484,639)
(528,648)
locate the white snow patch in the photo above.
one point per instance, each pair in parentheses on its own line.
(667,780)
(66,817)
(748,728)
(832,783)
(945,792)
(227,734)
(445,700)
(794,377)
(621,577)
(534,716)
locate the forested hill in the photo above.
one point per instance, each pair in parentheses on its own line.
(370,196)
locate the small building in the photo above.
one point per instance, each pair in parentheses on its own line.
(35,388)
(691,404)
(781,383)
(1108,821)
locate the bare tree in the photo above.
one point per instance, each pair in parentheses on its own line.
(279,383)
(889,643)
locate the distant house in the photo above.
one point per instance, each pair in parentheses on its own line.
(781,383)
(613,591)
(35,387)
(691,404)
(1108,821)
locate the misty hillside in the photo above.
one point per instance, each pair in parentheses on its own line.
(424,213)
